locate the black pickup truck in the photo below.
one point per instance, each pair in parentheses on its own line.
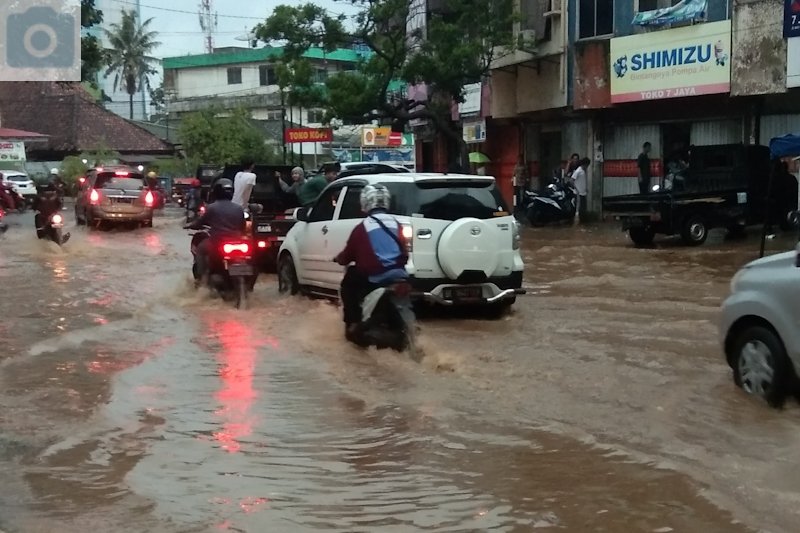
(724,186)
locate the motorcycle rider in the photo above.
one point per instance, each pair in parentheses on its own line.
(193,198)
(58,183)
(224,218)
(46,204)
(379,253)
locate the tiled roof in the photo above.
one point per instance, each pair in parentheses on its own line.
(255,55)
(71,118)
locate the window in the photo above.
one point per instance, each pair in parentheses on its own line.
(326,205)
(351,205)
(320,75)
(315,116)
(234,75)
(595,18)
(267,75)
(274,114)
(652,5)
(447,200)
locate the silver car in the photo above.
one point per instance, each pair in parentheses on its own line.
(116,195)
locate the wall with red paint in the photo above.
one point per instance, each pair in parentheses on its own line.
(503,148)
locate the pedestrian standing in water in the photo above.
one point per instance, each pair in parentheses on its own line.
(521,182)
(581,181)
(643,164)
(573,164)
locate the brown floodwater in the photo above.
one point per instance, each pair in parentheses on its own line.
(602,403)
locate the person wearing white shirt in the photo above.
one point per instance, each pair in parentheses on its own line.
(581,183)
(243,184)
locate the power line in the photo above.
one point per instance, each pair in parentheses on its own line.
(184,11)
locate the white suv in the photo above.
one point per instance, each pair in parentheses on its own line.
(463,242)
(760,327)
(21,183)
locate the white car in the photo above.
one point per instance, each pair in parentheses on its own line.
(760,327)
(21,183)
(463,242)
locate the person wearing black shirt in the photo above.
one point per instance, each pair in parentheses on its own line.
(643,163)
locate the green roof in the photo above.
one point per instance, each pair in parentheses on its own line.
(254,55)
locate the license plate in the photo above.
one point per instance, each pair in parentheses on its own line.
(463,293)
(264,228)
(240,269)
(122,200)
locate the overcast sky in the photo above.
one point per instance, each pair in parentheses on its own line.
(178,25)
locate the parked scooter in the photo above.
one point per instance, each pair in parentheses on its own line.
(231,274)
(388,320)
(53,229)
(557,203)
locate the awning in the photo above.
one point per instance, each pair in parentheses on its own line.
(9,134)
(684,11)
(786,146)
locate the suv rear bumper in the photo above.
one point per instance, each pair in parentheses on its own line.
(493,290)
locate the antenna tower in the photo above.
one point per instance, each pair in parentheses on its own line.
(208,23)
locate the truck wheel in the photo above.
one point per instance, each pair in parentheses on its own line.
(761,366)
(694,231)
(642,236)
(287,276)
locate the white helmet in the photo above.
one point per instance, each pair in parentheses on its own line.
(53,171)
(375,197)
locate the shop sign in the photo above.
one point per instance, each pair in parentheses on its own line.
(12,151)
(793,62)
(687,61)
(475,132)
(791,18)
(401,156)
(308,135)
(472,100)
(384,136)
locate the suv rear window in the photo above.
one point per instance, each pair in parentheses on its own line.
(109,180)
(447,199)
(18,178)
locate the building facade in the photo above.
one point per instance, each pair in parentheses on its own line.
(601,77)
(237,77)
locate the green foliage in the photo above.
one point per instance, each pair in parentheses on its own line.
(461,41)
(92,54)
(213,139)
(72,168)
(130,59)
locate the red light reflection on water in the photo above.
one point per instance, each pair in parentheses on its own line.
(153,241)
(238,357)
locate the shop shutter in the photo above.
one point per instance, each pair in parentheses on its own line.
(711,132)
(778,126)
(624,142)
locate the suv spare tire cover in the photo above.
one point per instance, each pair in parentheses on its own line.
(469,244)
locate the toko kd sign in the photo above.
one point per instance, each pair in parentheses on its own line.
(686,61)
(308,135)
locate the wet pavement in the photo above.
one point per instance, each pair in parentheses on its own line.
(602,403)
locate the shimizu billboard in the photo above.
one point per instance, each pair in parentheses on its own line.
(686,61)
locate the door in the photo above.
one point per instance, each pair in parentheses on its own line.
(550,156)
(316,255)
(347,218)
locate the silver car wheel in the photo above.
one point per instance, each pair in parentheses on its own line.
(757,368)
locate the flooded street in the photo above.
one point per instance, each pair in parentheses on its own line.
(603,403)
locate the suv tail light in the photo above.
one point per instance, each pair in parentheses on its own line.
(149,199)
(94,197)
(408,235)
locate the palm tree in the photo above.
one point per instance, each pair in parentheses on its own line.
(129,57)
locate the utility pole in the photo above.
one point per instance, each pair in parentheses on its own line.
(208,23)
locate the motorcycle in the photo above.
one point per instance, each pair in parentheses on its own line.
(192,214)
(11,199)
(53,229)
(3,225)
(231,271)
(388,320)
(557,203)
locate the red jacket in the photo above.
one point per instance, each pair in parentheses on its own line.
(359,249)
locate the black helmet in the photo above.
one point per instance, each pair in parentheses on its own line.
(223,189)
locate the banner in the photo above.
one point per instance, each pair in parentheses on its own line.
(472,100)
(12,151)
(308,135)
(791,18)
(399,156)
(373,136)
(683,11)
(686,61)
(474,132)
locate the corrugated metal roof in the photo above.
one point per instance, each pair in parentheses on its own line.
(255,55)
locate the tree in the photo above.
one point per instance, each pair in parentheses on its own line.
(129,58)
(454,47)
(92,54)
(219,140)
